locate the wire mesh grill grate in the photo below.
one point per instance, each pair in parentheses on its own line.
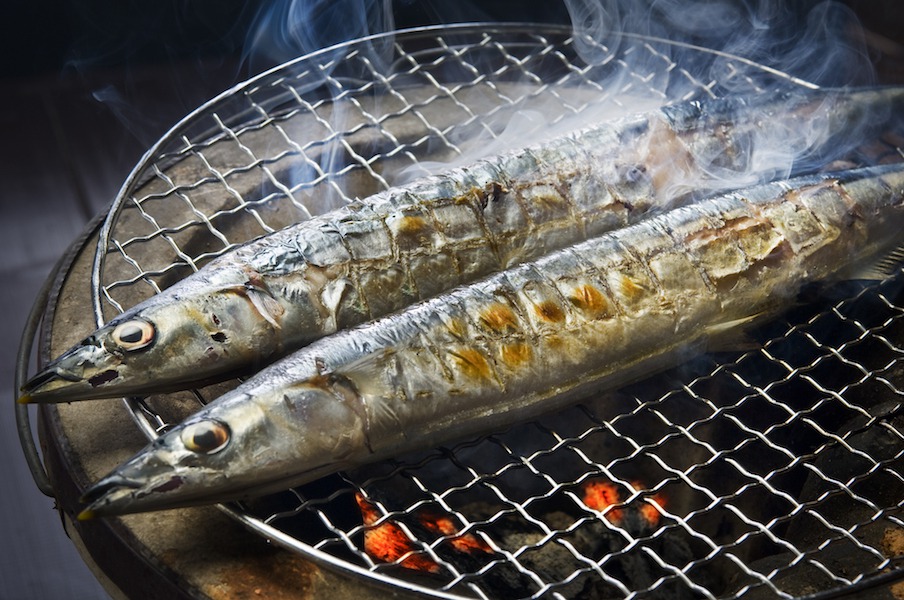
(775,471)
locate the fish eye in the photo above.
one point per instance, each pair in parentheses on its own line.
(135,334)
(205,437)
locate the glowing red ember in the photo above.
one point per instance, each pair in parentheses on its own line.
(444,525)
(605,497)
(387,542)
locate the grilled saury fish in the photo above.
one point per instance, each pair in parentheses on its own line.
(518,343)
(380,254)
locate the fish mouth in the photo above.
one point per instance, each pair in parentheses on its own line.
(56,385)
(119,494)
(106,495)
(79,374)
(108,487)
(44,386)
(44,381)
(50,375)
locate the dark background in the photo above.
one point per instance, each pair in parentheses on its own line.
(87,86)
(64,36)
(55,35)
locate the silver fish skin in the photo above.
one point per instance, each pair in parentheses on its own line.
(378,255)
(519,343)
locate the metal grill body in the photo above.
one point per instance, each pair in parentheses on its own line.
(773,471)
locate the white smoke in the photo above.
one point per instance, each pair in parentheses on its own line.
(819,44)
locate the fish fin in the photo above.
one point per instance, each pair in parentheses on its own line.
(731,336)
(331,297)
(265,304)
(371,379)
(882,268)
(368,372)
(261,299)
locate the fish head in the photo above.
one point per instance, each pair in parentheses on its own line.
(244,444)
(197,333)
(170,471)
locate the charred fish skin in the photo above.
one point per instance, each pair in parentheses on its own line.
(517,344)
(401,246)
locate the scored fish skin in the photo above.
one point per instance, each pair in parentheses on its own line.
(378,255)
(518,343)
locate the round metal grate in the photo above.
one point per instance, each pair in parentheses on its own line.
(775,471)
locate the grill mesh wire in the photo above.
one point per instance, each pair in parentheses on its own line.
(772,471)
